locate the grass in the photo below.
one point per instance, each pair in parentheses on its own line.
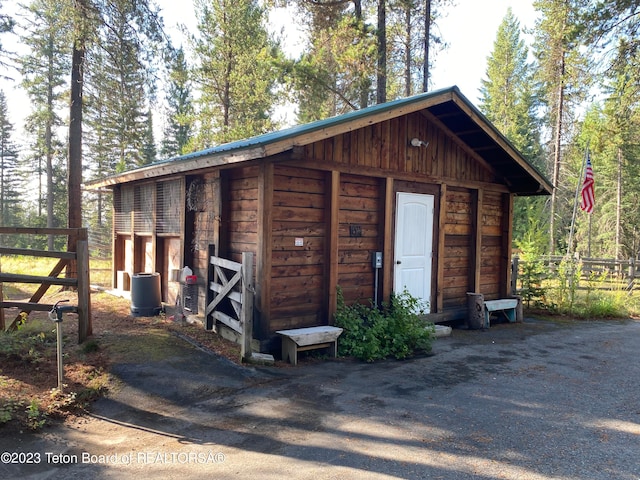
(592,300)
(100,272)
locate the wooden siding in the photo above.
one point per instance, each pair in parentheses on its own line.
(385,146)
(359,234)
(458,243)
(491,252)
(298,287)
(205,204)
(241,213)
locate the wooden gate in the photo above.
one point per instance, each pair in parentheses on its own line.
(233,282)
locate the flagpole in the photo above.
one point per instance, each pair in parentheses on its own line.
(589,244)
(575,200)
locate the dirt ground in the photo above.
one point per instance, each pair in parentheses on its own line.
(538,400)
(32,375)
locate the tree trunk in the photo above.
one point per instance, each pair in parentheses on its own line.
(619,206)
(48,134)
(364,91)
(74,168)
(408,53)
(556,160)
(427,34)
(382,52)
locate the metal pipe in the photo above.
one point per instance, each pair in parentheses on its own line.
(56,314)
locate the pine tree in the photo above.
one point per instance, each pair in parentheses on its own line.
(562,75)
(336,75)
(6,25)
(410,54)
(10,183)
(118,82)
(509,103)
(149,150)
(141,28)
(180,115)
(44,69)
(236,73)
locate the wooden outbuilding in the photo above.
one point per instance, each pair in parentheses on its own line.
(426,181)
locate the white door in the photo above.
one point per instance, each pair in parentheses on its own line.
(414,246)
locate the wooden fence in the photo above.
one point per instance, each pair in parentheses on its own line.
(232,281)
(80,282)
(608,271)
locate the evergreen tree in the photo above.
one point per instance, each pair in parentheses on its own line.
(237,72)
(142,28)
(10,183)
(509,103)
(410,55)
(44,69)
(118,82)
(179,127)
(6,25)
(149,150)
(564,81)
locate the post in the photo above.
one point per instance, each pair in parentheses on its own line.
(247,305)
(515,265)
(85,328)
(2,324)
(475,311)
(632,274)
(59,355)
(211,276)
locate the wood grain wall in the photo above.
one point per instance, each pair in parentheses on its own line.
(240,213)
(298,261)
(458,244)
(359,234)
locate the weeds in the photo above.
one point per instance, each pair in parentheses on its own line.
(571,291)
(8,409)
(36,419)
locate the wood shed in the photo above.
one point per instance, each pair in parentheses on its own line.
(426,182)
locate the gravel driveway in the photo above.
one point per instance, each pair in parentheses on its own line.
(538,400)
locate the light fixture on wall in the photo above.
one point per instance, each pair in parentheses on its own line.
(416,142)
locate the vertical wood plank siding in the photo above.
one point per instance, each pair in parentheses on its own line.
(298,271)
(360,211)
(386,146)
(491,252)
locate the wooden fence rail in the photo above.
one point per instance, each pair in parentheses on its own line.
(80,281)
(621,272)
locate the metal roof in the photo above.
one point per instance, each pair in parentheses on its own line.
(448,105)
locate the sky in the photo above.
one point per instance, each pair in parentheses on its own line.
(469,28)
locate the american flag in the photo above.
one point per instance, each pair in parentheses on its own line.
(588,194)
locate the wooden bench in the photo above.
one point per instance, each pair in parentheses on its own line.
(507,306)
(301,339)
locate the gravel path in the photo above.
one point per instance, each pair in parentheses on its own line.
(538,400)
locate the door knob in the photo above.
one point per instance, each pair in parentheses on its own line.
(398,262)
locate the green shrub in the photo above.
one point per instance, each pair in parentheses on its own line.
(372,333)
(531,275)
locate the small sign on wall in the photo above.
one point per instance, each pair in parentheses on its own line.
(299,242)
